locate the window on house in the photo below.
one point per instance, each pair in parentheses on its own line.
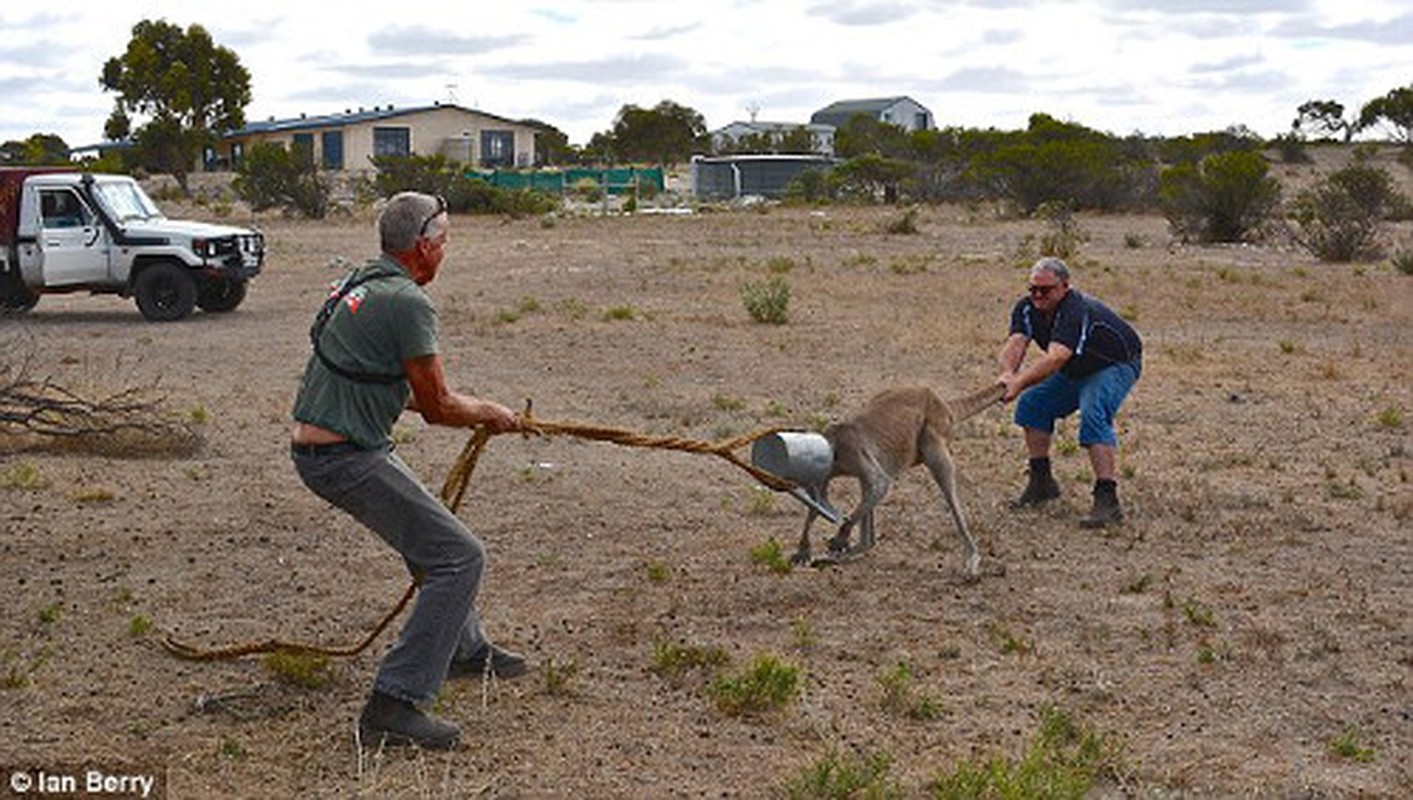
(332,142)
(497,148)
(392,141)
(303,148)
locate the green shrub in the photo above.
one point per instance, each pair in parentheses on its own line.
(767,301)
(768,685)
(1225,198)
(846,776)
(1339,218)
(271,176)
(1063,760)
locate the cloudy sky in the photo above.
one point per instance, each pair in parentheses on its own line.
(1163,67)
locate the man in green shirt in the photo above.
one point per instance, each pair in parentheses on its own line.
(375,353)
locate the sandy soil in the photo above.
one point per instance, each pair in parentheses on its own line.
(1253,610)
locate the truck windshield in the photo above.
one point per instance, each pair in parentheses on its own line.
(126,201)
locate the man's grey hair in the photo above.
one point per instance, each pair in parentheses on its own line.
(401,220)
(1054,266)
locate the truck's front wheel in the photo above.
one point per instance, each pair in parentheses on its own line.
(165,292)
(220,294)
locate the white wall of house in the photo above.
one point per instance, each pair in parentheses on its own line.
(909,115)
(450,131)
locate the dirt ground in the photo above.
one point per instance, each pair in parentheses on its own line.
(1250,616)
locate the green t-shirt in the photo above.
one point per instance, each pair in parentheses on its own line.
(375,328)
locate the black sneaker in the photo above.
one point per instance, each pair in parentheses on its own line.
(502,663)
(392,722)
(1038,491)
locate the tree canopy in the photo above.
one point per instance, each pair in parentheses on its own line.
(1394,108)
(665,134)
(188,87)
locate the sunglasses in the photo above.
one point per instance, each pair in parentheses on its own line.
(441,209)
(1041,291)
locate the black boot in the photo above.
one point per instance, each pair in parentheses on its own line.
(1041,488)
(1106,510)
(387,720)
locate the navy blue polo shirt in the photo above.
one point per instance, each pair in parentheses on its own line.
(1099,337)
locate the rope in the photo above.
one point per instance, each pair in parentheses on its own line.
(454,489)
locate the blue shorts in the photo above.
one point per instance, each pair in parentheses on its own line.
(1097,397)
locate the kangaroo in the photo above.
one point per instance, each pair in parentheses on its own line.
(898,429)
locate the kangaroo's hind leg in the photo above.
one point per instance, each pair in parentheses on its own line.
(944,470)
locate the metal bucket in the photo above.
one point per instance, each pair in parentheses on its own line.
(803,458)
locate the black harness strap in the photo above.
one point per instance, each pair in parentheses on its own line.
(317,330)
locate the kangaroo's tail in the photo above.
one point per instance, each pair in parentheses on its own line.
(972,404)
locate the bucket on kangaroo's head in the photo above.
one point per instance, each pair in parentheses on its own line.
(805,459)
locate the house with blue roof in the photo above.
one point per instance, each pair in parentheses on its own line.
(348,141)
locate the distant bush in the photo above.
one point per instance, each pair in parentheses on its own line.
(271,176)
(1340,218)
(1227,197)
(810,186)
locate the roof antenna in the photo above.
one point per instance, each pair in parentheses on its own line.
(753,108)
(451,94)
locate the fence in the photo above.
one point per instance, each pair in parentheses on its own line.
(615,181)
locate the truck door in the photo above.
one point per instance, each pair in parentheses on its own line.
(72,241)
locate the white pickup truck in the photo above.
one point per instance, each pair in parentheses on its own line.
(66,231)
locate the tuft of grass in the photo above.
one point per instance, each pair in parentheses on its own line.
(1062,760)
(771,556)
(1339,490)
(623,313)
(769,684)
(559,678)
(573,308)
(1198,613)
(23,476)
(658,572)
(762,502)
(767,301)
(139,625)
(900,697)
(845,776)
(1390,417)
(780,265)
(1402,260)
(906,225)
(1009,642)
(95,494)
(1287,346)
(51,613)
(1134,241)
(728,402)
(1350,744)
(672,660)
(233,748)
(199,415)
(301,668)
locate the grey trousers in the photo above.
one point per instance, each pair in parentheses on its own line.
(378,490)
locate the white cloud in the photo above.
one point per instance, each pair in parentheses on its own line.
(1160,66)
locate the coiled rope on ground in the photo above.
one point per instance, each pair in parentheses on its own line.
(454,489)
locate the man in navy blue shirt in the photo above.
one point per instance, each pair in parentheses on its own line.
(1091,359)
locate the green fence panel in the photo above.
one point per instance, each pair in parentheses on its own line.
(615,180)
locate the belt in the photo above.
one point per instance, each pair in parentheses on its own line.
(330,449)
